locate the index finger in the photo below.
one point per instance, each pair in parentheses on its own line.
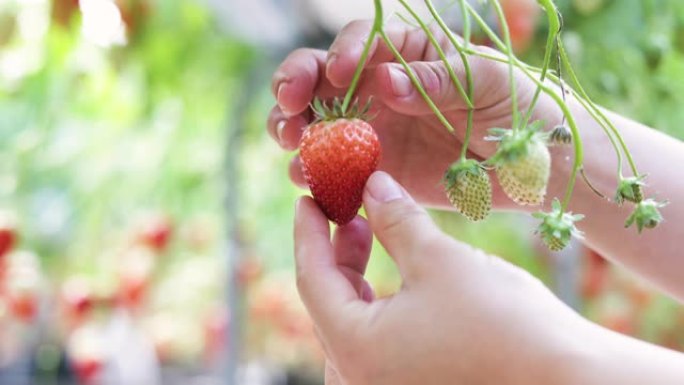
(300,77)
(345,52)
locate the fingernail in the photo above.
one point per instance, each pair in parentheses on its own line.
(279,129)
(383,188)
(401,84)
(331,61)
(279,98)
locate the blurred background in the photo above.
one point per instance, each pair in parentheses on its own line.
(145,214)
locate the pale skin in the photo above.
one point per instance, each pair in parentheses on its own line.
(463,316)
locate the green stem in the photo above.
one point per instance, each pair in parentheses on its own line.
(554,30)
(440,53)
(416,82)
(577,140)
(377,27)
(466,24)
(466,67)
(485,28)
(511,58)
(604,118)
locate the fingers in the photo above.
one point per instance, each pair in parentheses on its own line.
(397,91)
(404,228)
(332,377)
(352,244)
(299,77)
(287,131)
(346,50)
(296,173)
(324,289)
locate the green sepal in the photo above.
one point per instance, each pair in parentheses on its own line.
(332,110)
(514,143)
(557,227)
(630,189)
(646,214)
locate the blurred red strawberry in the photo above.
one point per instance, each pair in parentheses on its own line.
(78,298)
(215,332)
(595,275)
(23,306)
(85,351)
(249,270)
(8,233)
(155,232)
(522,17)
(135,274)
(134,14)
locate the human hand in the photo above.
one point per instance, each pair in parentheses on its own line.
(417,149)
(460,317)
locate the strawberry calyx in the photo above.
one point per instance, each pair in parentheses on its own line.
(557,227)
(630,189)
(646,214)
(333,110)
(458,169)
(514,144)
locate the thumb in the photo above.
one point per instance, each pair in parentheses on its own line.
(398,92)
(403,227)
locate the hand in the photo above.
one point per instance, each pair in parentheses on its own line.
(461,317)
(417,149)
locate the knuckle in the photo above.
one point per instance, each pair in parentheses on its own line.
(356,25)
(399,218)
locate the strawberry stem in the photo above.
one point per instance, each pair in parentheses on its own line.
(511,61)
(555,28)
(466,66)
(577,140)
(604,119)
(377,27)
(440,53)
(415,81)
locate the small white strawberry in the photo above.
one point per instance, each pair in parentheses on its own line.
(523,163)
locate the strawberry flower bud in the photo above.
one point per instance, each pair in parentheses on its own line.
(560,136)
(646,214)
(557,227)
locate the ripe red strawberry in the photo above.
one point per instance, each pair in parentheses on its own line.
(8,233)
(339,151)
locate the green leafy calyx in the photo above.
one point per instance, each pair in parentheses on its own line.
(557,227)
(514,144)
(630,189)
(646,214)
(332,110)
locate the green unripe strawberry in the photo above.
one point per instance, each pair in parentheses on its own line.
(469,189)
(646,214)
(557,227)
(523,164)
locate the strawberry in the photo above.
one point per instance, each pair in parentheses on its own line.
(523,163)
(8,233)
(339,152)
(557,227)
(469,189)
